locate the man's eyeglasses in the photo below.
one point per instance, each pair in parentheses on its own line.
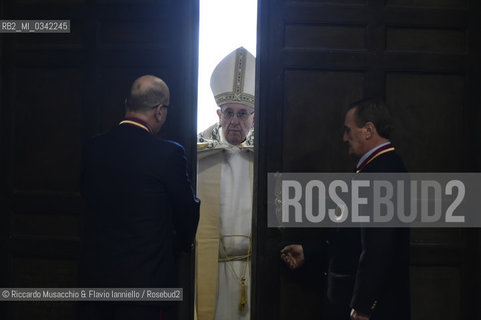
(241,115)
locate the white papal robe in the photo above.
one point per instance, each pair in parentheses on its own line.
(223,237)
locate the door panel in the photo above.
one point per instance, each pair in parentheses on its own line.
(57,90)
(315,57)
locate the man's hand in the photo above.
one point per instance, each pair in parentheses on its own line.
(293,255)
(359,316)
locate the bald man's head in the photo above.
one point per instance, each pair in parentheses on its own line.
(146,93)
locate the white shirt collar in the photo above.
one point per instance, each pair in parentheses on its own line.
(367,154)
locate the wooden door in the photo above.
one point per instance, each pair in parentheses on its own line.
(314,58)
(57,90)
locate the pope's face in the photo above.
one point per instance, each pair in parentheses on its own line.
(236,121)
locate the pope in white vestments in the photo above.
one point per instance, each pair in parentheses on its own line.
(225,177)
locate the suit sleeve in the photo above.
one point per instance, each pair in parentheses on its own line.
(375,263)
(316,251)
(380,251)
(185,204)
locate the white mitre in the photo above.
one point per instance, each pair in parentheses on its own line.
(233,79)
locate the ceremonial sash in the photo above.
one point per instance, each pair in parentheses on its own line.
(382,150)
(134,122)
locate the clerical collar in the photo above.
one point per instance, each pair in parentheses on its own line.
(135,122)
(372,154)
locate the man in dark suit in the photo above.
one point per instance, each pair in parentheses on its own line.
(138,193)
(368,268)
